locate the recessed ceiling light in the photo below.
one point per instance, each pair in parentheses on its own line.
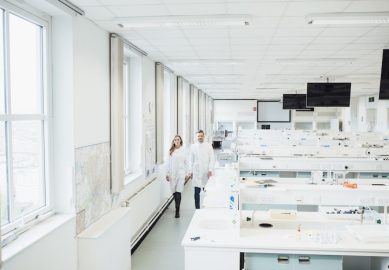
(349,18)
(190,21)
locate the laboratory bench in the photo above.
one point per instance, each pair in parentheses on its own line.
(327,237)
(216,239)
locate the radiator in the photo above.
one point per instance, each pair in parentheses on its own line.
(145,206)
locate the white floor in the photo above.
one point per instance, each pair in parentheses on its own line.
(161,249)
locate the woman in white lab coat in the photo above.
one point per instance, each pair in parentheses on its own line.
(177,170)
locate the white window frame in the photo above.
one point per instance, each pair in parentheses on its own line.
(129,56)
(126,78)
(21,224)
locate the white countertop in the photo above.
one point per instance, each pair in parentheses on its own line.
(215,229)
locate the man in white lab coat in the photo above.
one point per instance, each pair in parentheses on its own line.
(201,164)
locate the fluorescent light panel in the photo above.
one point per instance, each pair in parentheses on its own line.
(349,18)
(190,21)
(220,84)
(206,61)
(313,60)
(224,76)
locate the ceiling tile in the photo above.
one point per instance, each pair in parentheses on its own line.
(369,6)
(277,29)
(86,2)
(257,8)
(138,10)
(196,9)
(98,13)
(206,33)
(303,8)
(128,2)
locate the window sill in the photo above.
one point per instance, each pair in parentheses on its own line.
(33,235)
(131,178)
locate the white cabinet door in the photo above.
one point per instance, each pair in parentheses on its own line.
(211,259)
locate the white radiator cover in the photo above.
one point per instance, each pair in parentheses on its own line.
(143,206)
(105,245)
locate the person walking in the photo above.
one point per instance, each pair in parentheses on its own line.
(201,164)
(177,170)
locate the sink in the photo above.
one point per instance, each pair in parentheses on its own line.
(290,225)
(370,233)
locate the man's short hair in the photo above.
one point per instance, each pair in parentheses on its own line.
(200,131)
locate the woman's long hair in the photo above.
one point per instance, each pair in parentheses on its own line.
(173,147)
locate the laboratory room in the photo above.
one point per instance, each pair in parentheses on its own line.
(194,134)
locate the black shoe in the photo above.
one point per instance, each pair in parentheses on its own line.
(177,215)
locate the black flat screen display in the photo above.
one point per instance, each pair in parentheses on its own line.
(384,86)
(328,94)
(294,101)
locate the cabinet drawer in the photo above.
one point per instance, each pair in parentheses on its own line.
(255,261)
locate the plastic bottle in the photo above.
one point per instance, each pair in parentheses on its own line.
(232,202)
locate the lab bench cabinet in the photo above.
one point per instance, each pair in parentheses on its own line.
(260,261)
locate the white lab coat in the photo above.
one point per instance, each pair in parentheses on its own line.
(177,169)
(202,160)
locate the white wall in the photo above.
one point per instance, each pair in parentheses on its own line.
(366,111)
(235,110)
(91,83)
(62,114)
(57,250)
(382,116)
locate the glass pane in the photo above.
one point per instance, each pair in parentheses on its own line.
(2,88)
(3,178)
(25,66)
(125,100)
(28,170)
(168,137)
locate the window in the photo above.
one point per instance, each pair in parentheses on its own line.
(184,110)
(170,111)
(167,114)
(24,123)
(132,84)
(126,124)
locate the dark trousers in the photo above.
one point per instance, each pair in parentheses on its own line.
(177,200)
(197,191)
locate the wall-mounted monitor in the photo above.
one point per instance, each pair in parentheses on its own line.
(328,94)
(384,86)
(295,102)
(271,111)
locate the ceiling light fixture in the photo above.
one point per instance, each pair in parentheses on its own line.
(191,21)
(206,61)
(220,83)
(221,76)
(348,18)
(268,88)
(282,83)
(313,60)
